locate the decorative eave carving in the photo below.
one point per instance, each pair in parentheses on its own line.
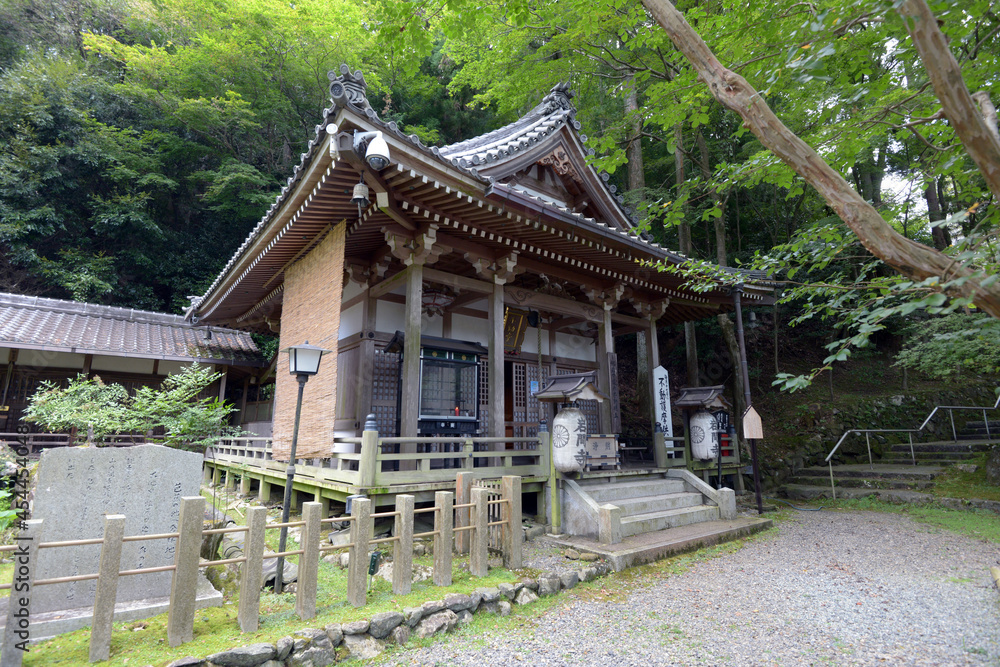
(347,88)
(561,164)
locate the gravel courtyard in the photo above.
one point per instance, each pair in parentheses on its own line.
(828,588)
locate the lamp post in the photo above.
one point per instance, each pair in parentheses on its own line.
(303,362)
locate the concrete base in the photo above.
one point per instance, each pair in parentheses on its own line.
(647,547)
(50,624)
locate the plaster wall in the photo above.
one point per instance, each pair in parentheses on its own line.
(351,321)
(171,367)
(467,328)
(122,365)
(46,359)
(569,346)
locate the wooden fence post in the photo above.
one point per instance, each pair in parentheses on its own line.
(367,467)
(444,539)
(479,554)
(25,566)
(305,590)
(253,570)
(357,567)
(107,588)
(463,488)
(511,492)
(184,586)
(402,548)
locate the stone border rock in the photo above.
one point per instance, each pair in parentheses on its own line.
(365,639)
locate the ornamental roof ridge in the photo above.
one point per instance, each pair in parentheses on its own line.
(555,108)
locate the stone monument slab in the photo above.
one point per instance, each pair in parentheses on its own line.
(74,488)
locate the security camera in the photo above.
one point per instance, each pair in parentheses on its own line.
(375,150)
(377,156)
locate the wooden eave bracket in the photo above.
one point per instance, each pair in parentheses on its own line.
(607,298)
(500,271)
(420,248)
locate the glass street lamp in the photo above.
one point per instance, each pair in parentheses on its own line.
(303,363)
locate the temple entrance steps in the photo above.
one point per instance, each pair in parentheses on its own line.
(611,508)
(652,504)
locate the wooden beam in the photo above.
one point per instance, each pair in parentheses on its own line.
(389,284)
(528,298)
(458,282)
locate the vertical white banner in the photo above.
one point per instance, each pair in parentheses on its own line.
(664,420)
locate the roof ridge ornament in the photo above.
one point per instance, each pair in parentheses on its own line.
(560,98)
(347,88)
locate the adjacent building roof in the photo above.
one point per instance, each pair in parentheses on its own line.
(30,322)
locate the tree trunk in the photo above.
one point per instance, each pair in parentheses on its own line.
(684,240)
(942,239)
(989,112)
(946,76)
(636,171)
(909,258)
(726,324)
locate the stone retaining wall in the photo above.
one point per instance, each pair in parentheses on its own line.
(313,647)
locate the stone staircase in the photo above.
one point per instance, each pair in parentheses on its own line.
(894,474)
(612,508)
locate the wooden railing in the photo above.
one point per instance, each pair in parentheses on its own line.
(190,533)
(381,462)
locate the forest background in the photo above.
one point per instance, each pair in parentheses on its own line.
(140,141)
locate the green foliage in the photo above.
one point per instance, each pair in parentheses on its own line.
(957,346)
(87,405)
(90,405)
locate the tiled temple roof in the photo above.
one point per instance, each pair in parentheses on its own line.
(31,322)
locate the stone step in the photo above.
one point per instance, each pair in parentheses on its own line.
(994,426)
(653,521)
(804,492)
(667,501)
(612,492)
(931,448)
(865,482)
(947,459)
(877,471)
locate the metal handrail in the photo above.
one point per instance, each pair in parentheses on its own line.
(910,431)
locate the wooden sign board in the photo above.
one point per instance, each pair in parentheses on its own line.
(752,428)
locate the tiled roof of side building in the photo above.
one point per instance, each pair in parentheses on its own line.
(31,322)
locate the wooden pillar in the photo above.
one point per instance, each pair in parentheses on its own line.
(409,408)
(222,381)
(243,400)
(496,384)
(605,347)
(652,361)
(366,364)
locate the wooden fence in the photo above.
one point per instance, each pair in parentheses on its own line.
(191,531)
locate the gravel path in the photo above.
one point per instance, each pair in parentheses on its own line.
(831,588)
